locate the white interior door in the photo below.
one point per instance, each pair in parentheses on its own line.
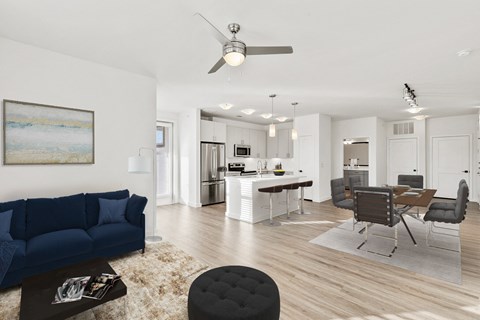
(306,161)
(450,163)
(402,158)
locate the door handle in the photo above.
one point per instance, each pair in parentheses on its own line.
(414,170)
(465,171)
(300,170)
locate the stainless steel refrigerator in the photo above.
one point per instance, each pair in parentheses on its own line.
(213,173)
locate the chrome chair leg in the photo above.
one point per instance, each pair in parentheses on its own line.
(271,209)
(288,204)
(431,231)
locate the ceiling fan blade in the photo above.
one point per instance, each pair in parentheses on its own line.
(268,50)
(217,65)
(213,30)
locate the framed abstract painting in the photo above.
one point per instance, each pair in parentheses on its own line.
(42,134)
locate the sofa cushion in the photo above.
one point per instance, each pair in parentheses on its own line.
(5,222)
(17,227)
(114,234)
(58,245)
(93,207)
(19,259)
(135,206)
(112,211)
(48,215)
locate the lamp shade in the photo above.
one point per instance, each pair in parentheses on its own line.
(234,58)
(271,131)
(139,164)
(294,134)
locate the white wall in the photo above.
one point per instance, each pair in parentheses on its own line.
(189,136)
(319,127)
(458,125)
(420,134)
(360,128)
(124,105)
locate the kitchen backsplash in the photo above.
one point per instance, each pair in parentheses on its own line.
(251,163)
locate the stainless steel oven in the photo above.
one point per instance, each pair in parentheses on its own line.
(242,150)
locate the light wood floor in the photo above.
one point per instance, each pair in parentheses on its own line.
(320,283)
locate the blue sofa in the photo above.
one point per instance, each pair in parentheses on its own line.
(52,233)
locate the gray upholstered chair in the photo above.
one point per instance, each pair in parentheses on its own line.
(375,205)
(447,205)
(414,181)
(448,215)
(337,188)
(338,195)
(354,181)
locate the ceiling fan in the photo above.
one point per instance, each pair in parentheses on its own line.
(235,50)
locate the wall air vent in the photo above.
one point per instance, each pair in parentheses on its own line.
(403,128)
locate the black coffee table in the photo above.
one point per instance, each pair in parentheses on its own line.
(39,291)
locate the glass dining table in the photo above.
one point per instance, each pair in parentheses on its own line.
(408,198)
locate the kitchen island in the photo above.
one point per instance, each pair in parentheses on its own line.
(244,202)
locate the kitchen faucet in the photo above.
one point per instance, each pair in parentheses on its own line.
(259,167)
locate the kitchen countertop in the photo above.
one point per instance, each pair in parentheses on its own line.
(361,168)
(265,177)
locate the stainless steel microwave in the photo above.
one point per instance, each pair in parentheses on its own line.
(241,150)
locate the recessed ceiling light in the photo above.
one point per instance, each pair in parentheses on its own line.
(414,109)
(225,106)
(282,119)
(248,111)
(420,117)
(464,53)
(266,115)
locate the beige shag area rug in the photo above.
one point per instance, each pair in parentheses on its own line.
(157,287)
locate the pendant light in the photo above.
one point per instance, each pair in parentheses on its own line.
(271,129)
(294,131)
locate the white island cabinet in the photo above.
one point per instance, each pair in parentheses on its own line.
(244,202)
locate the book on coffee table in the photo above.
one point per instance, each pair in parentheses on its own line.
(98,286)
(71,290)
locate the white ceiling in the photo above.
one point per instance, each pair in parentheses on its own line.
(350,57)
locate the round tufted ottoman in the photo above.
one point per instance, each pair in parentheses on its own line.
(233,293)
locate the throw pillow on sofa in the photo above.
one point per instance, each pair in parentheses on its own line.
(135,206)
(112,211)
(5,221)
(92,205)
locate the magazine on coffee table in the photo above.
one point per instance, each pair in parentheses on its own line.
(71,290)
(98,286)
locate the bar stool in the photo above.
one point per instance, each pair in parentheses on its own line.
(288,187)
(303,185)
(271,190)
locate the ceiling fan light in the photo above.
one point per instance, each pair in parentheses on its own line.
(271,130)
(294,134)
(282,119)
(266,115)
(234,59)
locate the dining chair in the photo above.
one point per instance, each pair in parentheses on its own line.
(414,181)
(447,205)
(339,199)
(375,205)
(447,215)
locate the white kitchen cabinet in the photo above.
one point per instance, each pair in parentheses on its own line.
(258,143)
(280,146)
(211,131)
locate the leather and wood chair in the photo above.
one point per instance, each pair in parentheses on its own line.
(448,215)
(289,187)
(375,205)
(414,181)
(271,191)
(303,185)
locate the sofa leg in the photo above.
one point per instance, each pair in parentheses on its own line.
(143,250)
